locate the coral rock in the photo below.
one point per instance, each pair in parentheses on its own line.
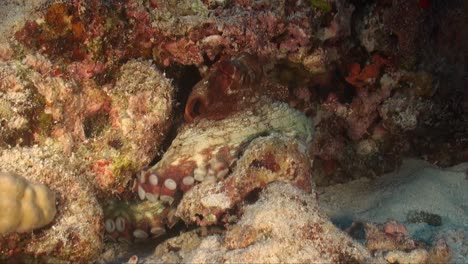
(283,225)
(113,131)
(75,234)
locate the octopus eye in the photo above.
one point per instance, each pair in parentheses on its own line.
(196,106)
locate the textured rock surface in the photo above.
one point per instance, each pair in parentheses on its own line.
(243,152)
(284,225)
(76,232)
(114,130)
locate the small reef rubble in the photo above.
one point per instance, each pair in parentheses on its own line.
(391,243)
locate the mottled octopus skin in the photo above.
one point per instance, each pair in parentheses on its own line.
(267,159)
(231,85)
(207,149)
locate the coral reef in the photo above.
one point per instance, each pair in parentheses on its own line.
(85,80)
(25,205)
(114,130)
(283,225)
(75,234)
(194,34)
(125,130)
(239,151)
(313,38)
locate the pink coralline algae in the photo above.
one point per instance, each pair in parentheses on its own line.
(372,89)
(390,242)
(275,28)
(115,130)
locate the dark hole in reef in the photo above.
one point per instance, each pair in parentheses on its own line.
(267,162)
(208,62)
(199,216)
(115,143)
(94,125)
(393,41)
(185,77)
(253,196)
(348,94)
(357,231)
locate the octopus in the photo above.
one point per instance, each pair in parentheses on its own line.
(230,86)
(224,151)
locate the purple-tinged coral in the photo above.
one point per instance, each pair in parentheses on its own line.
(274,29)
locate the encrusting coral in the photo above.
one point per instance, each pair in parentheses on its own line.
(125,134)
(114,130)
(24,205)
(391,243)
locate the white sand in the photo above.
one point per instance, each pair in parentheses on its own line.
(417,185)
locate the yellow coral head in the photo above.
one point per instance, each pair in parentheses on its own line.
(24,205)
